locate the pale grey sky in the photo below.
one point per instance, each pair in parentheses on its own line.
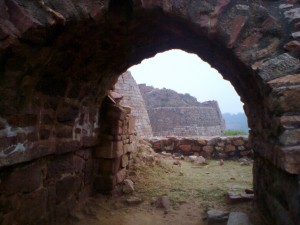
(187,73)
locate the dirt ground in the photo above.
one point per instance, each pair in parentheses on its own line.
(191,189)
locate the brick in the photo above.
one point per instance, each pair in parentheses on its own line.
(79,164)
(238,142)
(67,146)
(23,120)
(185,148)
(196,148)
(23,179)
(125,160)
(208,148)
(67,114)
(129,148)
(64,132)
(120,176)
(60,165)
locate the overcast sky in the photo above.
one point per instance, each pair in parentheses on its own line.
(187,73)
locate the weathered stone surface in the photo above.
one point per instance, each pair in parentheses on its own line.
(216,217)
(278,67)
(127,86)
(23,180)
(60,55)
(292,46)
(236,218)
(176,114)
(67,187)
(128,186)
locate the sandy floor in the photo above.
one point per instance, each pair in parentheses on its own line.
(192,190)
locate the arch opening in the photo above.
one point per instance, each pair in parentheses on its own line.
(56,71)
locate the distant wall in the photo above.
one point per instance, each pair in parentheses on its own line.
(177,114)
(208,147)
(132,97)
(185,121)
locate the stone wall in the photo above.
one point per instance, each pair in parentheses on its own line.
(186,121)
(117,142)
(48,185)
(132,97)
(44,191)
(59,58)
(208,147)
(171,113)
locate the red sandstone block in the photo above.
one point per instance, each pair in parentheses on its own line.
(131,124)
(23,179)
(79,164)
(64,147)
(89,141)
(245,153)
(156,145)
(33,207)
(115,113)
(129,148)
(109,150)
(238,142)
(208,148)
(125,160)
(196,148)
(24,120)
(202,142)
(120,176)
(229,148)
(60,165)
(185,148)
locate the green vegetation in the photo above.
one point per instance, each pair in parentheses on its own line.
(234,132)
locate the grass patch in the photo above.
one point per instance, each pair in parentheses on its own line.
(234,132)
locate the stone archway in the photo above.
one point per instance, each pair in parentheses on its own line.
(58,59)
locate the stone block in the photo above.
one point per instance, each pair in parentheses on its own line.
(33,207)
(23,179)
(120,176)
(196,148)
(185,148)
(67,146)
(238,142)
(109,166)
(208,148)
(89,141)
(229,148)
(60,165)
(129,148)
(66,187)
(125,160)
(78,163)
(109,150)
(290,137)
(23,120)
(44,134)
(67,115)
(131,125)
(64,132)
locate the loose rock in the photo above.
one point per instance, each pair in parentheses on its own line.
(128,186)
(238,218)
(216,217)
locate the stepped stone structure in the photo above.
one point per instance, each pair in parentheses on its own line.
(176,114)
(132,97)
(60,59)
